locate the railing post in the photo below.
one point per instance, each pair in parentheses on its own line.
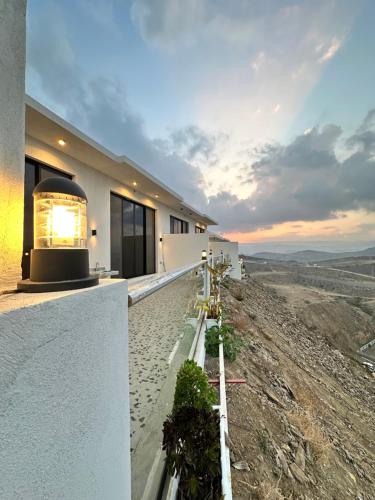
(206,281)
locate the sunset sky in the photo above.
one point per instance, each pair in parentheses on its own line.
(260,113)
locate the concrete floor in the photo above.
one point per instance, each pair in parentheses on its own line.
(159,341)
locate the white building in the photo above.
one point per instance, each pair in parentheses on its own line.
(136,224)
(64,355)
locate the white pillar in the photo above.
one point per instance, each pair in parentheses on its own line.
(12,138)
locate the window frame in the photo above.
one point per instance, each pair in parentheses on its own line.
(144,236)
(182,225)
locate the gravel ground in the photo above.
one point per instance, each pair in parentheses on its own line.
(156,324)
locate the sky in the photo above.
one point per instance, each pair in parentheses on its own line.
(259,113)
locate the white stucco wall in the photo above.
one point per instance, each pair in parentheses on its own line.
(64,419)
(12,90)
(98,188)
(229,248)
(182,249)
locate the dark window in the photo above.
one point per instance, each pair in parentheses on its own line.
(34,173)
(116,235)
(178,226)
(139,240)
(199,229)
(132,238)
(150,240)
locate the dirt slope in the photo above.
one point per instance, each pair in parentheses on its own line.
(304,423)
(345,326)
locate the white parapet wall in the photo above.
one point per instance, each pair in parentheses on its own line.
(64,419)
(12,138)
(229,249)
(180,250)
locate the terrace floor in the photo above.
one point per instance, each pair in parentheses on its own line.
(159,341)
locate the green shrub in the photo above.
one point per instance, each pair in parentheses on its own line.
(231,344)
(192,388)
(191,436)
(191,440)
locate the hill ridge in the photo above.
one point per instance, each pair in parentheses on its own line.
(313,255)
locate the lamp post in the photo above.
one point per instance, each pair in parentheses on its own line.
(60,259)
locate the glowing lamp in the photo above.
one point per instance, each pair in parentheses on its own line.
(60,259)
(204,254)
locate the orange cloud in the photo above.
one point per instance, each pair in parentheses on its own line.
(348,225)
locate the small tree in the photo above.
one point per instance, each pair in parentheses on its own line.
(192,388)
(225,334)
(217,273)
(192,444)
(191,436)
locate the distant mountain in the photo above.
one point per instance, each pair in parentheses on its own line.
(313,255)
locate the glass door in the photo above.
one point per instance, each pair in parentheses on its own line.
(132,238)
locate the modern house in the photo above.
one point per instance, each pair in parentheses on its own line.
(136,224)
(64,365)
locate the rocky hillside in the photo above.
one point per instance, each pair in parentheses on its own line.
(303,425)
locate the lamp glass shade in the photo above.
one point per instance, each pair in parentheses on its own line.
(60,221)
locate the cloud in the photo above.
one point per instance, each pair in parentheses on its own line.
(170,24)
(193,143)
(99,107)
(302,181)
(327,52)
(258,62)
(241,57)
(364,138)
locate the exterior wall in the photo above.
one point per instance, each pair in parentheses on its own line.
(12,91)
(182,249)
(64,421)
(229,248)
(98,188)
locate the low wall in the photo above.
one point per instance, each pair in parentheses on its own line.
(180,250)
(64,407)
(229,248)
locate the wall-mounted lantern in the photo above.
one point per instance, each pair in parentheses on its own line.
(204,254)
(60,259)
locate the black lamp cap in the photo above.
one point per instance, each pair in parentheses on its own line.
(60,185)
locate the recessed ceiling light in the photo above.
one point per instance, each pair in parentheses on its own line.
(135,183)
(61,142)
(156,196)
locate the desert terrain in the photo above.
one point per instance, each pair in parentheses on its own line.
(303,424)
(336,297)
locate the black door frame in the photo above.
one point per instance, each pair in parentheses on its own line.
(125,198)
(28,212)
